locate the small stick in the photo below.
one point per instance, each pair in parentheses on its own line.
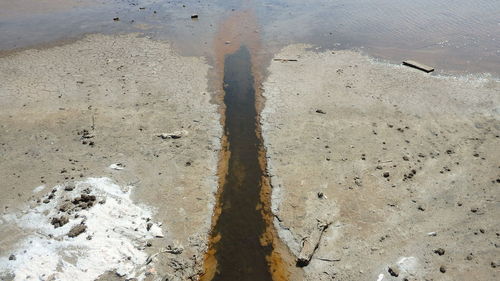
(329,260)
(285,60)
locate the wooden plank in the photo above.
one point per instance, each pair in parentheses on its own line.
(418,65)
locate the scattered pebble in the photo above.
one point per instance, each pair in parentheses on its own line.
(439,251)
(393,271)
(77,230)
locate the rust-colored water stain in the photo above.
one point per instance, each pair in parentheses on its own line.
(239,30)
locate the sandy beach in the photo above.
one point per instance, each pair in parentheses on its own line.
(109,149)
(402,166)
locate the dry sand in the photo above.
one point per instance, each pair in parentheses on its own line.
(335,122)
(66,114)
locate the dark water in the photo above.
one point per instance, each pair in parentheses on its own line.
(239,253)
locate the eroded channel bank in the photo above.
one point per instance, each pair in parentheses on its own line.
(402,164)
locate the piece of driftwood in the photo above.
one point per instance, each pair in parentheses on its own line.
(417,65)
(285,60)
(310,244)
(328,260)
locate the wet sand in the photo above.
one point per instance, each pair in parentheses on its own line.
(69,112)
(402,165)
(13,9)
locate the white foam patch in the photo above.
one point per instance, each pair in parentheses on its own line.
(117,226)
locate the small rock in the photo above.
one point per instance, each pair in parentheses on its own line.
(69,187)
(439,251)
(77,230)
(358,182)
(65,207)
(320,111)
(12,257)
(58,222)
(87,198)
(406,158)
(194,16)
(442,269)
(116,19)
(386,174)
(393,271)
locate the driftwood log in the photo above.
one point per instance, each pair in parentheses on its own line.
(310,244)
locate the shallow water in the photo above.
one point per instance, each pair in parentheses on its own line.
(454,35)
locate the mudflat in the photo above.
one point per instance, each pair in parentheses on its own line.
(402,166)
(109,151)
